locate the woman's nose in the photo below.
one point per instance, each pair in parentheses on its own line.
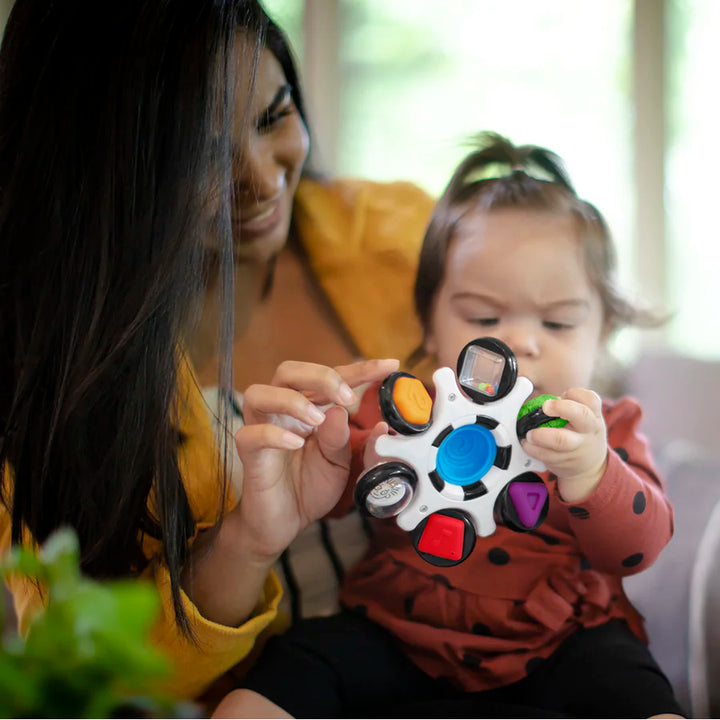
(259,177)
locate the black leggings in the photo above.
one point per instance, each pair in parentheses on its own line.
(346,666)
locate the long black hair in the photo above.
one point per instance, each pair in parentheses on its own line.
(109,127)
(277,43)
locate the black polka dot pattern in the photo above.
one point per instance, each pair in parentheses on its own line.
(639,502)
(498,556)
(585,564)
(471,660)
(481,629)
(533,664)
(442,580)
(632,560)
(408,604)
(579,512)
(622,453)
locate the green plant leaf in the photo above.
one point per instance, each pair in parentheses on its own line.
(88,653)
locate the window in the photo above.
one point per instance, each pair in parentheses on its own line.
(420,77)
(692,176)
(417,77)
(288,14)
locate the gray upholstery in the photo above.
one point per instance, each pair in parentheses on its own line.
(680,397)
(662,592)
(680,594)
(704,640)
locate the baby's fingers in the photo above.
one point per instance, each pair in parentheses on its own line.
(556,440)
(581,408)
(586,397)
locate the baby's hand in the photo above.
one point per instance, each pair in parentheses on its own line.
(576,453)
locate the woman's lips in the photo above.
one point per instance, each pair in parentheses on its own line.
(259,224)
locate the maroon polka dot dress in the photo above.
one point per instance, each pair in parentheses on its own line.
(488,621)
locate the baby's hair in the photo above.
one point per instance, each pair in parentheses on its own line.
(498,175)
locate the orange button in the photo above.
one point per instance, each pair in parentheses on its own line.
(412,400)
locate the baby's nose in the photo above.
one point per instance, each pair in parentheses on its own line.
(522,341)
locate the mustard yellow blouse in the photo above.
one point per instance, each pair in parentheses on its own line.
(218,648)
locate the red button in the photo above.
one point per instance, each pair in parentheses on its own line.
(443,536)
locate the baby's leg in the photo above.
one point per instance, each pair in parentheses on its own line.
(247,704)
(604,671)
(328,667)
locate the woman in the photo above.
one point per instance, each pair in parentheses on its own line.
(334,259)
(331,266)
(116,157)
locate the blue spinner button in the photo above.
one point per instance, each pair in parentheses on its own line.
(466,454)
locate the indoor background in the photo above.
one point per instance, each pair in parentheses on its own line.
(626,91)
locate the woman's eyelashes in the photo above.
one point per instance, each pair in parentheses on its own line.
(281,106)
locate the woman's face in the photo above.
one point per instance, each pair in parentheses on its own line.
(270,144)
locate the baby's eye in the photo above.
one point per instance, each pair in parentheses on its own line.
(552,325)
(485,322)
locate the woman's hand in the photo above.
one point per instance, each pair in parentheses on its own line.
(296,457)
(577,452)
(295,451)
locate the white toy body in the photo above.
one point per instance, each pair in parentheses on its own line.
(452,409)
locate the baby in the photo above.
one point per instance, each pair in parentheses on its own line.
(532,624)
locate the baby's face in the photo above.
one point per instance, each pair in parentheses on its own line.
(520,276)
